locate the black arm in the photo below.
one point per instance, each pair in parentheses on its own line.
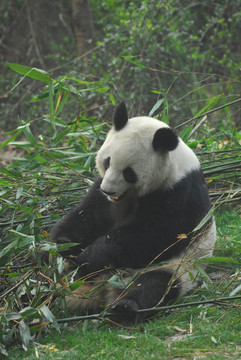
(129,246)
(86,222)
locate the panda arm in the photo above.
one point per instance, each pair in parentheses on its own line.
(125,247)
(84,223)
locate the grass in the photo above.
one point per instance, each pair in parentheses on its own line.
(188,334)
(204,332)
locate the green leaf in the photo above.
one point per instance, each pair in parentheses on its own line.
(193,144)
(76,285)
(11,174)
(137,63)
(10,139)
(7,248)
(29,135)
(25,239)
(156,106)
(44,310)
(165,117)
(184,134)
(216,259)
(19,192)
(62,103)
(24,335)
(34,73)
(61,135)
(51,104)
(235,291)
(112,99)
(62,247)
(208,105)
(43,95)
(40,159)
(28,311)
(205,219)
(103,89)
(116,282)
(202,272)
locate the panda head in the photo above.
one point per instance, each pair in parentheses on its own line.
(141,155)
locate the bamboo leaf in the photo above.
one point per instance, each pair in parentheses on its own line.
(10,139)
(202,272)
(76,285)
(62,103)
(205,219)
(34,73)
(44,310)
(24,335)
(29,135)
(235,291)
(112,98)
(43,95)
(216,259)
(209,105)
(156,106)
(19,192)
(134,62)
(116,282)
(7,248)
(51,105)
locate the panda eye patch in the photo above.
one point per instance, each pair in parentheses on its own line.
(130,175)
(106,163)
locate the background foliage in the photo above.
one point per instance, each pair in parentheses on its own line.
(142,51)
(178,63)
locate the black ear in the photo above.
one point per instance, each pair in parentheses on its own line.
(120,117)
(165,139)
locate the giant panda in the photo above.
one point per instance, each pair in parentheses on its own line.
(135,227)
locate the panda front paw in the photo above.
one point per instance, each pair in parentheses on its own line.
(124,305)
(125,311)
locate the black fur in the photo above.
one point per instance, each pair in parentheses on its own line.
(132,232)
(120,116)
(148,290)
(106,163)
(165,139)
(130,175)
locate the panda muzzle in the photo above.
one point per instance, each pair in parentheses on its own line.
(112,196)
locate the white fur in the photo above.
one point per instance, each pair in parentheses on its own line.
(132,147)
(182,265)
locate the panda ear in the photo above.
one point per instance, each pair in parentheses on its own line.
(120,117)
(165,139)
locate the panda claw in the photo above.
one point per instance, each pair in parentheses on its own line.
(125,305)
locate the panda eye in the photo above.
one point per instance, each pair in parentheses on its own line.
(130,175)
(106,163)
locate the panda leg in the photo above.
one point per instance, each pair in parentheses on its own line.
(155,287)
(148,290)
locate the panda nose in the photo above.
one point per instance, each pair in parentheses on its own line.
(109,193)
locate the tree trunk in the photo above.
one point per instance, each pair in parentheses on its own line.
(83,25)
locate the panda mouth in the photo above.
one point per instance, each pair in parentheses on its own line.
(117,198)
